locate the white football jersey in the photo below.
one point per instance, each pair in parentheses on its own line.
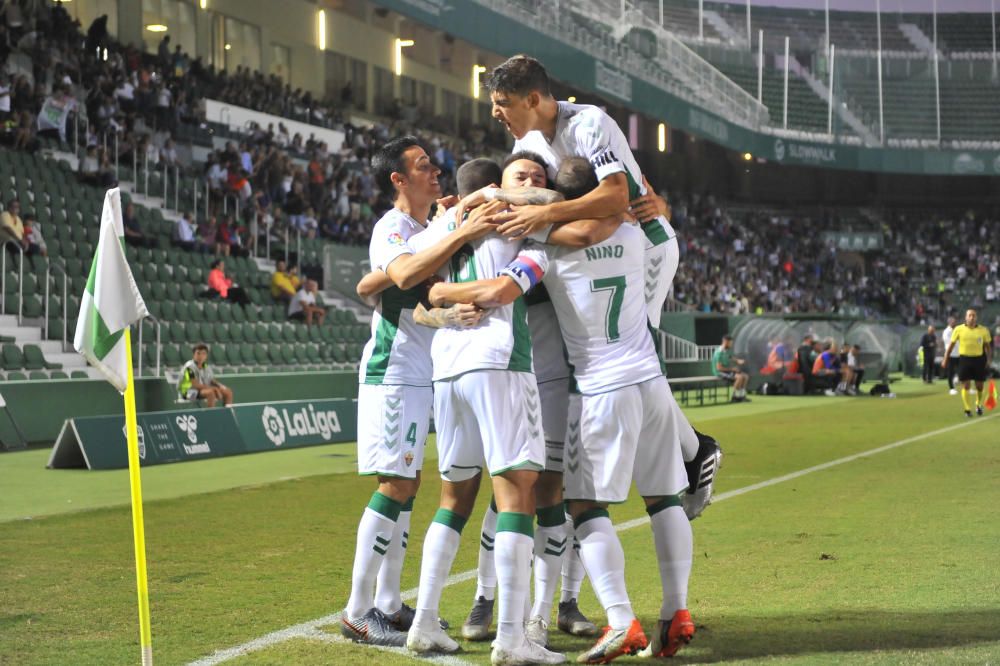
(547,351)
(500,341)
(399,350)
(598,297)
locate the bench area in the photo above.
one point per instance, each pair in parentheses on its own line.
(707,389)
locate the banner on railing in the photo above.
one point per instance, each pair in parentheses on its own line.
(98,442)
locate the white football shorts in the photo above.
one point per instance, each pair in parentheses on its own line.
(554,396)
(393,421)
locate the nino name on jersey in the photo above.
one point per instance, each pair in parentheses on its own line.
(598,297)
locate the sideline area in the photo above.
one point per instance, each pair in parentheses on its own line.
(32,491)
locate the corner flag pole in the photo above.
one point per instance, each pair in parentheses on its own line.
(138,529)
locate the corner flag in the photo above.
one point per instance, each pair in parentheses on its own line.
(111,302)
(110,305)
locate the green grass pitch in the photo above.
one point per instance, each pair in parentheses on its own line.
(889,558)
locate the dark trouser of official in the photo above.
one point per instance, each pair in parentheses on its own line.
(928,366)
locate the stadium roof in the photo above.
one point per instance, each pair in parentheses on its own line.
(901,6)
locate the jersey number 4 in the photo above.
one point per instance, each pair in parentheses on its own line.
(617,287)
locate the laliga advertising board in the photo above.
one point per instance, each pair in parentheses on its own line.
(98,442)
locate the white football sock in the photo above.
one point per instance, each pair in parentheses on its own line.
(513,560)
(572,566)
(486,576)
(440,548)
(550,548)
(375,530)
(674,543)
(604,558)
(387,597)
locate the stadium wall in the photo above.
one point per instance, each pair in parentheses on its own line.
(63,399)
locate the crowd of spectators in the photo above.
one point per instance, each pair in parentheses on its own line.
(756,262)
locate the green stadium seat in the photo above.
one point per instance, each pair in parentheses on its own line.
(58,374)
(177,333)
(315,334)
(288,333)
(172,356)
(302,333)
(337,354)
(12,358)
(182,310)
(237,313)
(234,356)
(265,314)
(35,360)
(302,355)
(237,331)
(244,370)
(260,353)
(274,355)
(195,313)
(17,377)
(167,311)
(211,311)
(221,332)
(225,312)
(187,291)
(37,374)
(247,353)
(287,354)
(33,306)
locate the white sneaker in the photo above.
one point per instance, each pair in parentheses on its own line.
(528,653)
(953,392)
(432,639)
(537,631)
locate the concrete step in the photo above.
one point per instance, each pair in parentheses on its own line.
(22,333)
(69,361)
(49,347)
(8,321)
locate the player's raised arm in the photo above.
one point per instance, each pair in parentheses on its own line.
(460,315)
(371,285)
(608,199)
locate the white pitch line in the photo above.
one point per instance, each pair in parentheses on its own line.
(311,630)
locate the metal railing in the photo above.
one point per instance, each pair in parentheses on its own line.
(65,305)
(159,346)
(673,348)
(20,279)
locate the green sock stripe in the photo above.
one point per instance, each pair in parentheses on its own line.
(408,504)
(386,506)
(551,516)
(664,503)
(522,523)
(493,504)
(590,514)
(450,519)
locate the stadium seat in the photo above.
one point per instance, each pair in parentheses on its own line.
(35,360)
(58,374)
(288,356)
(247,354)
(12,357)
(302,333)
(234,356)
(172,356)
(37,374)
(260,353)
(236,332)
(16,377)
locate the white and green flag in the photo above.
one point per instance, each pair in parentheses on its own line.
(112,300)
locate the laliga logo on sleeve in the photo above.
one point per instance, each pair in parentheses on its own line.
(273,427)
(189,424)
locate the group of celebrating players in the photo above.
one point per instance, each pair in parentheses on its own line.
(521,316)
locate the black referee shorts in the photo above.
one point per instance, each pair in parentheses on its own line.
(972,368)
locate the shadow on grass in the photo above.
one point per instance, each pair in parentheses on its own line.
(838,631)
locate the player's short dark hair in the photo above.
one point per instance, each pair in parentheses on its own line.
(519,75)
(726,337)
(575,177)
(388,160)
(201,346)
(523,155)
(477,174)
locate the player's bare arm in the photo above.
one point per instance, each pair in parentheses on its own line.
(609,198)
(583,233)
(493,293)
(371,285)
(521,196)
(460,315)
(649,205)
(409,270)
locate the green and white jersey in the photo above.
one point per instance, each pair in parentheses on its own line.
(501,341)
(584,130)
(598,297)
(399,349)
(547,351)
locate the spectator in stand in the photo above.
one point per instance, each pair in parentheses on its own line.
(184,237)
(728,368)
(224,287)
(133,231)
(87,171)
(284,284)
(12,226)
(303,305)
(229,238)
(208,232)
(928,345)
(35,244)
